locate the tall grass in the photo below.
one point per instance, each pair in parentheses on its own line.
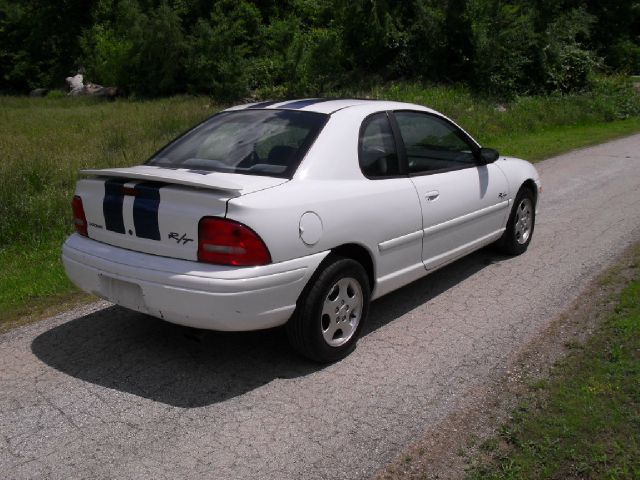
(44,142)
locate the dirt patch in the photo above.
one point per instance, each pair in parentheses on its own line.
(450,447)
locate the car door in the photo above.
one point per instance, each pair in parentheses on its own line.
(393,219)
(463,202)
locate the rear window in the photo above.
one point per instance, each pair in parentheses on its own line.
(256,142)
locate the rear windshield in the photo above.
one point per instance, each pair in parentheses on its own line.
(257,142)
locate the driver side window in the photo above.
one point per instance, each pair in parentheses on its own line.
(377,151)
(432,143)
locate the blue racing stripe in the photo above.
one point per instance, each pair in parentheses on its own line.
(263,104)
(145,210)
(112,204)
(296,104)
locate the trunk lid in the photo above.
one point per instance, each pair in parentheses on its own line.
(157,210)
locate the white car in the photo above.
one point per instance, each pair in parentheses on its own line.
(298,213)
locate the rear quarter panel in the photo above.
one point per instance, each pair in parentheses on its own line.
(363,212)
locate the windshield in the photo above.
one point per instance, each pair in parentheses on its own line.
(258,142)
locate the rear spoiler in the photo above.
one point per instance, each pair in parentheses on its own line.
(213,180)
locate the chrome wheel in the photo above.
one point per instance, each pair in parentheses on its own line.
(341,311)
(523,221)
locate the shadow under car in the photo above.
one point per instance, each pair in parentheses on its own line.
(184,367)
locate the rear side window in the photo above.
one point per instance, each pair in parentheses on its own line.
(257,142)
(377,149)
(432,143)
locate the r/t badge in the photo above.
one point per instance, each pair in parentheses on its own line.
(180,238)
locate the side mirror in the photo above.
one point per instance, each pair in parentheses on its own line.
(488,155)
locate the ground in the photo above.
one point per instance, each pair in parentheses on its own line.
(458,445)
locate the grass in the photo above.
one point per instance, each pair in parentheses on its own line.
(32,282)
(44,142)
(584,421)
(547,142)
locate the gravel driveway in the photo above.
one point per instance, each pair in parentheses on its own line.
(100,392)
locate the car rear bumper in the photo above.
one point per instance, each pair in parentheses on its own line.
(190,293)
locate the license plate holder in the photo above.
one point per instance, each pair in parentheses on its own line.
(121,292)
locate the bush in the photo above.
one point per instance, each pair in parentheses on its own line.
(273,72)
(220,50)
(565,64)
(505,44)
(625,56)
(614,97)
(108,56)
(140,53)
(159,59)
(315,62)
(518,50)
(56,94)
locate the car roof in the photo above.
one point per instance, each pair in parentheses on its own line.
(328,105)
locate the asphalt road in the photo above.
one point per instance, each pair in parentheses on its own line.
(100,392)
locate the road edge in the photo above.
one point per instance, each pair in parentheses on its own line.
(448,448)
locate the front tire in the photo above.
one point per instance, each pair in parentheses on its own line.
(331,312)
(517,236)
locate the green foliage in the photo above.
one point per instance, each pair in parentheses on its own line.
(624,55)
(39,45)
(140,52)
(521,50)
(158,59)
(565,64)
(611,98)
(220,49)
(315,62)
(505,44)
(234,48)
(616,34)
(110,55)
(56,94)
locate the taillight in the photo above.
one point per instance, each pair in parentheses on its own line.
(79,219)
(226,242)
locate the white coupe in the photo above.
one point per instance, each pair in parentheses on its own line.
(295,213)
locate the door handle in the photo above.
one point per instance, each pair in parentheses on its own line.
(432,196)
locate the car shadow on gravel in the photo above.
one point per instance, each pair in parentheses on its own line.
(183,367)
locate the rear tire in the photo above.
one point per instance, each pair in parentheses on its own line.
(516,238)
(331,311)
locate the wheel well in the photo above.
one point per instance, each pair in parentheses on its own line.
(531,185)
(360,255)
